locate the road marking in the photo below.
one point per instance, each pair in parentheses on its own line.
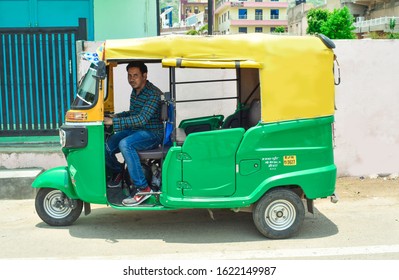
(258,254)
(313,252)
(284,253)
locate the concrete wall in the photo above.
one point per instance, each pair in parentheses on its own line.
(119,19)
(367,99)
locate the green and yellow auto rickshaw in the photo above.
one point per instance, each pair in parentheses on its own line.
(271,155)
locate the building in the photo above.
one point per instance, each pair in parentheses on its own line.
(297,21)
(249,16)
(369,15)
(373,16)
(192,14)
(191,8)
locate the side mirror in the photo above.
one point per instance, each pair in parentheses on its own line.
(101,70)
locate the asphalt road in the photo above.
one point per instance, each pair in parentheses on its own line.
(363,225)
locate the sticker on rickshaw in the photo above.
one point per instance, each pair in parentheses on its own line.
(272,162)
(289,160)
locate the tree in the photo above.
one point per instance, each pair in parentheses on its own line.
(335,25)
(339,25)
(201,31)
(279,29)
(316,18)
(392,24)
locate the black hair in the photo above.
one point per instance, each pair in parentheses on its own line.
(138,64)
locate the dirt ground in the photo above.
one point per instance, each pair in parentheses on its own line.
(357,188)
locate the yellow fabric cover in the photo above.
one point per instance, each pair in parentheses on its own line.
(296,72)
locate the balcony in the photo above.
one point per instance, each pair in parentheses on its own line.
(364,2)
(377,24)
(225,5)
(258,20)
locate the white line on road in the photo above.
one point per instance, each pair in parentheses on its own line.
(260,254)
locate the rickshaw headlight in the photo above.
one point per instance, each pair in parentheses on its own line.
(62,138)
(73,136)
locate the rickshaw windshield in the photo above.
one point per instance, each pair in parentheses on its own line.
(86,94)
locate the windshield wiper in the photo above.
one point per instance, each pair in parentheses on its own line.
(81,98)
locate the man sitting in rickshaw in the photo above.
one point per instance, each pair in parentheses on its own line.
(138,129)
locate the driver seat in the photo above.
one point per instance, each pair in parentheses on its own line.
(167,119)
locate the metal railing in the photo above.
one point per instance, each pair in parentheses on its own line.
(375,22)
(37,79)
(255,17)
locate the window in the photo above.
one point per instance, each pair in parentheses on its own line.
(242,30)
(259,0)
(242,13)
(274,14)
(258,30)
(258,14)
(272,29)
(196,11)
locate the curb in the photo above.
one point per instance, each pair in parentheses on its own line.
(16,183)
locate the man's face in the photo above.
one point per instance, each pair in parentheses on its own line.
(135,78)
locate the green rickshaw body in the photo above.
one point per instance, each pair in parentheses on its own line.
(298,154)
(83,178)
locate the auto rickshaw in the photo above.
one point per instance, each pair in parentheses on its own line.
(272,155)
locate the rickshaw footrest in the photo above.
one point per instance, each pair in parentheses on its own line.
(148,193)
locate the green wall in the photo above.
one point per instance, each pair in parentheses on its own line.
(119,19)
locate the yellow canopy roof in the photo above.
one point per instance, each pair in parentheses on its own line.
(296,72)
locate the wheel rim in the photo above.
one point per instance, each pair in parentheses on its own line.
(54,205)
(280,215)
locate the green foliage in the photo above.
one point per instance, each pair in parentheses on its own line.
(316,18)
(201,31)
(392,24)
(335,25)
(192,32)
(339,25)
(376,35)
(279,29)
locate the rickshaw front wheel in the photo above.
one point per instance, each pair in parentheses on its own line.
(55,208)
(279,214)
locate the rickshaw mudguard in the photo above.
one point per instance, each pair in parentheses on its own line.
(57,178)
(308,180)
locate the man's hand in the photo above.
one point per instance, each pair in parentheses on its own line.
(108,121)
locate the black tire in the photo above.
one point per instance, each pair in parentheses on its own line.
(54,207)
(279,214)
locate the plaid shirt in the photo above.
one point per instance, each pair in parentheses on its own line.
(144,112)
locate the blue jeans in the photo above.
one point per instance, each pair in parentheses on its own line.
(128,142)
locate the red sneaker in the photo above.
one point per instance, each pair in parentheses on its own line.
(139,197)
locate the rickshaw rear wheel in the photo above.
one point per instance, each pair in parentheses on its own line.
(55,208)
(279,214)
